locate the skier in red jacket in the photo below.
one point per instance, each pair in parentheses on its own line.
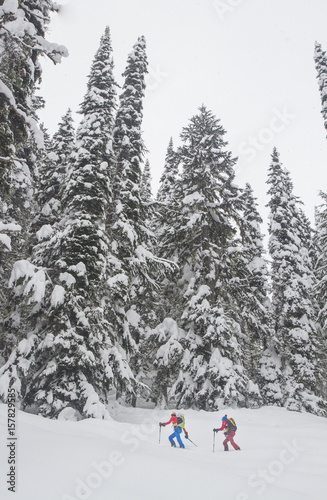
(177,430)
(230,430)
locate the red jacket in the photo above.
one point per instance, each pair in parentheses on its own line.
(173,420)
(223,425)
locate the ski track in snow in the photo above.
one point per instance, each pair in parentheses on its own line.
(283,457)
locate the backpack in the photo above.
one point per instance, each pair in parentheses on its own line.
(180,420)
(231,424)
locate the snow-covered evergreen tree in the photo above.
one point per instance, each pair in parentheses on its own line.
(64,140)
(320,244)
(321,261)
(145,184)
(148,203)
(70,356)
(22,32)
(250,287)
(54,167)
(169,176)
(22,40)
(137,268)
(252,280)
(87,195)
(167,210)
(163,350)
(212,369)
(128,142)
(293,299)
(320,59)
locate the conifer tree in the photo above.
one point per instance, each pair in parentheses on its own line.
(320,244)
(149,205)
(250,286)
(128,142)
(145,185)
(127,230)
(168,208)
(88,194)
(137,267)
(251,291)
(53,171)
(212,368)
(163,351)
(293,299)
(253,275)
(169,176)
(320,59)
(321,261)
(71,358)
(20,71)
(22,40)
(64,140)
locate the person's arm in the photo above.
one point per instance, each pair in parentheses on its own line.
(223,426)
(171,421)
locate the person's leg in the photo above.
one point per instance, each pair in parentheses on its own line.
(171,438)
(225,443)
(231,435)
(178,432)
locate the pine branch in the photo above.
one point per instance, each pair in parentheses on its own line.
(31,47)
(10,158)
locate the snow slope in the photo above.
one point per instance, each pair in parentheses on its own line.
(283,457)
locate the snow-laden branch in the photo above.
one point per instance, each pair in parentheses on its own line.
(9,158)
(31,122)
(10,227)
(52,50)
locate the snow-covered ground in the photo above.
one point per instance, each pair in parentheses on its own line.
(283,457)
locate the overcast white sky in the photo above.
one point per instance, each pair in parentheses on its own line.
(249,61)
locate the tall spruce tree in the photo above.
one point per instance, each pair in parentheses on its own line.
(163,351)
(320,59)
(149,205)
(22,41)
(71,357)
(145,184)
(53,168)
(169,176)
(320,241)
(250,286)
(64,141)
(252,282)
(137,268)
(321,261)
(20,71)
(167,209)
(212,371)
(128,142)
(293,299)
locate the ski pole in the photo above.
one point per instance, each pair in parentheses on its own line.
(159,433)
(192,442)
(214,436)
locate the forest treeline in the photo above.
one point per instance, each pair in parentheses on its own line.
(108,291)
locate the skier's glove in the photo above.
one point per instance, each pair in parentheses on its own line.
(186,435)
(215,430)
(161,424)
